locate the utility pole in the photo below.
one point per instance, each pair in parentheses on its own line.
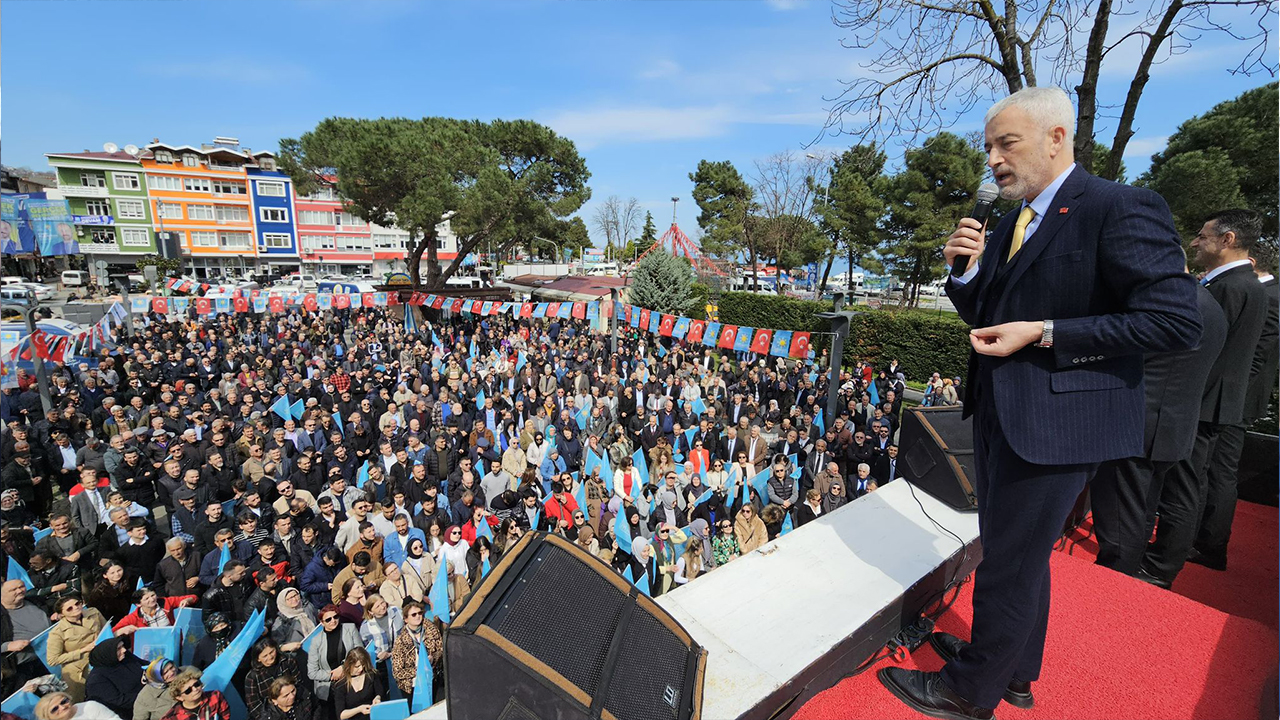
(42,378)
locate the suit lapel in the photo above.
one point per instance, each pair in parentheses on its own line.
(1068,199)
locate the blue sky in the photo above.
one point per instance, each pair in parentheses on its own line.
(646,89)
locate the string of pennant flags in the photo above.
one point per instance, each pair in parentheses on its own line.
(61,348)
(738,338)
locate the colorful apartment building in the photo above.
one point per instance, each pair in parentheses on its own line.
(107,193)
(273,213)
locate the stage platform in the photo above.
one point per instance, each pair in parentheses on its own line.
(787,621)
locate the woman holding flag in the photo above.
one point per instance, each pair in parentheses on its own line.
(404,654)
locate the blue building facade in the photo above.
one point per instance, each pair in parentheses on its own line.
(275,224)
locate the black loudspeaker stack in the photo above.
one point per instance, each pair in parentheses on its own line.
(936,454)
(554,633)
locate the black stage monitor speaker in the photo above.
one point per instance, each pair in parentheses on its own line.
(936,446)
(553,633)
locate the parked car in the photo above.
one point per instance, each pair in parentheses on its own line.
(43,292)
(75,278)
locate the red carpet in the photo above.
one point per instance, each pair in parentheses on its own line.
(1118,648)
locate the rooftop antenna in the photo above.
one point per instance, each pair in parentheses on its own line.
(674,201)
(131,149)
(110,147)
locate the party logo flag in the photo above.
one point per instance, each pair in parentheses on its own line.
(681,328)
(696,328)
(667,325)
(362,476)
(485,307)
(324,301)
(786,524)
(480,400)
(760,483)
(655,322)
(593,311)
(297,409)
(17,572)
(260,304)
(728,334)
(224,557)
(743,341)
(781,345)
(140,303)
(180,305)
(337,420)
(622,531)
(711,334)
(565,312)
(800,345)
(760,343)
(540,310)
(467,305)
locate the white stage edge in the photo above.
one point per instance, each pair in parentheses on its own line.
(767,618)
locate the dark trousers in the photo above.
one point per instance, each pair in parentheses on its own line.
(1179,505)
(1220,492)
(1021,511)
(1123,496)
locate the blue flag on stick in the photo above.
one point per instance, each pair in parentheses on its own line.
(786,524)
(297,409)
(422,698)
(281,407)
(362,477)
(337,420)
(642,467)
(17,572)
(439,595)
(225,556)
(622,531)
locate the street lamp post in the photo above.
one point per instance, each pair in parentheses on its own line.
(42,379)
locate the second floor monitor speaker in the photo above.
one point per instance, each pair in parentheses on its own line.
(553,633)
(936,454)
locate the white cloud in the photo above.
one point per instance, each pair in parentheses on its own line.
(1145,147)
(621,124)
(663,68)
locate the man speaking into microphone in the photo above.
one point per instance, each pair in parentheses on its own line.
(1070,292)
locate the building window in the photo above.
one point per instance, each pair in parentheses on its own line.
(135,237)
(348,220)
(273,215)
(277,240)
(102,236)
(315,217)
(195,184)
(353,242)
(200,212)
(227,187)
(323,193)
(97,207)
(234,240)
(317,242)
(190,160)
(386,241)
(93,180)
(267,163)
(164,156)
(231,213)
(204,238)
(126,181)
(170,210)
(164,182)
(131,209)
(270,189)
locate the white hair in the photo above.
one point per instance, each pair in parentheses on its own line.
(1049,107)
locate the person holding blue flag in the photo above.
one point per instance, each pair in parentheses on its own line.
(417,631)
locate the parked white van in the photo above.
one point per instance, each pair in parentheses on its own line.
(75,278)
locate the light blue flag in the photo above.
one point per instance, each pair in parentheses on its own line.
(628,575)
(537,517)
(150,643)
(225,556)
(260,304)
(781,345)
(484,568)
(337,420)
(820,419)
(643,584)
(372,649)
(655,322)
(606,472)
(480,467)
(688,436)
(582,418)
(189,623)
(362,476)
(873,392)
(580,497)
(439,595)
(22,704)
(681,327)
(229,507)
(480,400)
(742,343)
(222,305)
(642,467)
(281,407)
(540,310)
(297,409)
(635,316)
(41,534)
(761,484)
(795,465)
(482,530)
(662,350)
(40,646)
(711,335)
(566,311)
(786,524)
(217,676)
(622,531)
(140,585)
(17,572)
(107,633)
(591,462)
(520,361)
(699,407)
(422,689)
(397,709)
(705,496)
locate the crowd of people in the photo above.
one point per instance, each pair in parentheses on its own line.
(416,449)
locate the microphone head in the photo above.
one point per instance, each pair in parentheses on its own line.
(988,192)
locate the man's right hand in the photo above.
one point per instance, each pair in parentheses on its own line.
(968,241)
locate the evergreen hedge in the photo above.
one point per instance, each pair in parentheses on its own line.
(922,342)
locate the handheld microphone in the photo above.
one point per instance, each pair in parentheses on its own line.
(987,195)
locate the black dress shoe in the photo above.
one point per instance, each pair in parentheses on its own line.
(1150,579)
(925,693)
(1213,562)
(948,647)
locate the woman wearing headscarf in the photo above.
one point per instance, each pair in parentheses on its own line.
(295,619)
(217,635)
(750,529)
(72,639)
(154,700)
(587,541)
(692,492)
(419,567)
(328,651)
(268,661)
(597,496)
(642,561)
(116,677)
(835,497)
(666,552)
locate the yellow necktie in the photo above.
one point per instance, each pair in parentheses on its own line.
(1020,230)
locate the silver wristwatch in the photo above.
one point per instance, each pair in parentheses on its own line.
(1046,335)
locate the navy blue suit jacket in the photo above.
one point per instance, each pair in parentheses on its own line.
(1105,265)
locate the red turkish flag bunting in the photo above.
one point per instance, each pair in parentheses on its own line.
(580,310)
(456,306)
(760,343)
(203,306)
(728,334)
(495,308)
(666,325)
(254,293)
(309,302)
(276,303)
(241,304)
(367,299)
(160,305)
(552,309)
(800,345)
(696,328)
(627,309)
(437,303)
(644,318)
(342,301)
(40,343)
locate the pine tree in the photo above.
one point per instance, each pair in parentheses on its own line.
(664,283)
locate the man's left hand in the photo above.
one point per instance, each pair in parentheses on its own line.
(1007,339)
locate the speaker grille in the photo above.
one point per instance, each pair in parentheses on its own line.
(645,683)
(562,613)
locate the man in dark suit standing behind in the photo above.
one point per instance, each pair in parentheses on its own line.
(1082,281)
(1266,359)
(1125,493)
